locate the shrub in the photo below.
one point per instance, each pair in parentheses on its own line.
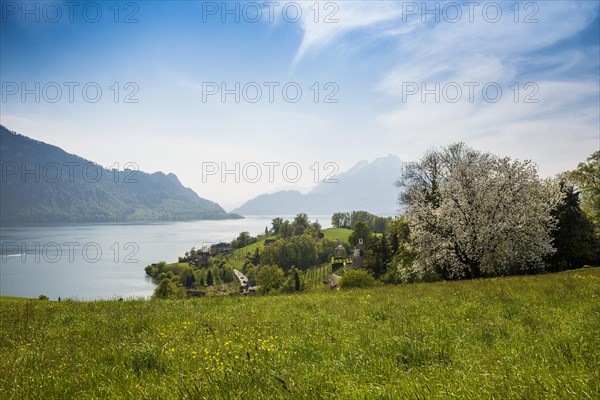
(168,289)
(357,278)
(269,277)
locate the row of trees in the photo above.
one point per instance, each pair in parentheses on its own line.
(270,278)
(243,240)
(174,280)
(349,220)
(285,229)
(302,251)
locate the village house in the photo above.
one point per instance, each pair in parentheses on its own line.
(220,248)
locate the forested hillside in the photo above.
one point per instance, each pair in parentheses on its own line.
(43,183)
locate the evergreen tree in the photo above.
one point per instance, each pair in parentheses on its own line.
(360,231)
(378,255)
(297,283)
(574,238)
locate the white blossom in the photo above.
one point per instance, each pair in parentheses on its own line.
(473,213)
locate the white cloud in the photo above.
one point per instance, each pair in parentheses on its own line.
(482,51)
(344,17)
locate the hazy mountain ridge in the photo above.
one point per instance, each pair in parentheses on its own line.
(365,186)
(43,183)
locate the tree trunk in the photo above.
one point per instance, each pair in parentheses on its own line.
(475,270)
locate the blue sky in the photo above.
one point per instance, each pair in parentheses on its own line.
(371,54)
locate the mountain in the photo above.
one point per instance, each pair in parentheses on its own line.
(366,186)
(43,183)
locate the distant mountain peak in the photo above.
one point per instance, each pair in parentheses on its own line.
(358,166)
(365,186)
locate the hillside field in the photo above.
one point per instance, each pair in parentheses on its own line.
(236,260)
(530,337)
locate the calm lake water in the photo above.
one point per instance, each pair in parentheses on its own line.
(105,260)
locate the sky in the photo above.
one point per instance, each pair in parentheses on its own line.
(243,98)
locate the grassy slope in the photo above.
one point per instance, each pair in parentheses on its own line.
(520,337)
(237,258)
(337,233)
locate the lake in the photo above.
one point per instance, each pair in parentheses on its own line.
(103,261)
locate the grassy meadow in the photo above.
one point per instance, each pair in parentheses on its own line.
(528,337)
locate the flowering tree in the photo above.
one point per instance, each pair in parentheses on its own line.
(473,213)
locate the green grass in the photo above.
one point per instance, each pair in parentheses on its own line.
(237,258)
(10,298)
(337,233)
(530,337)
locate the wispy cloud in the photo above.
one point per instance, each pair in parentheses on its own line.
(561,127)
(336,19)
